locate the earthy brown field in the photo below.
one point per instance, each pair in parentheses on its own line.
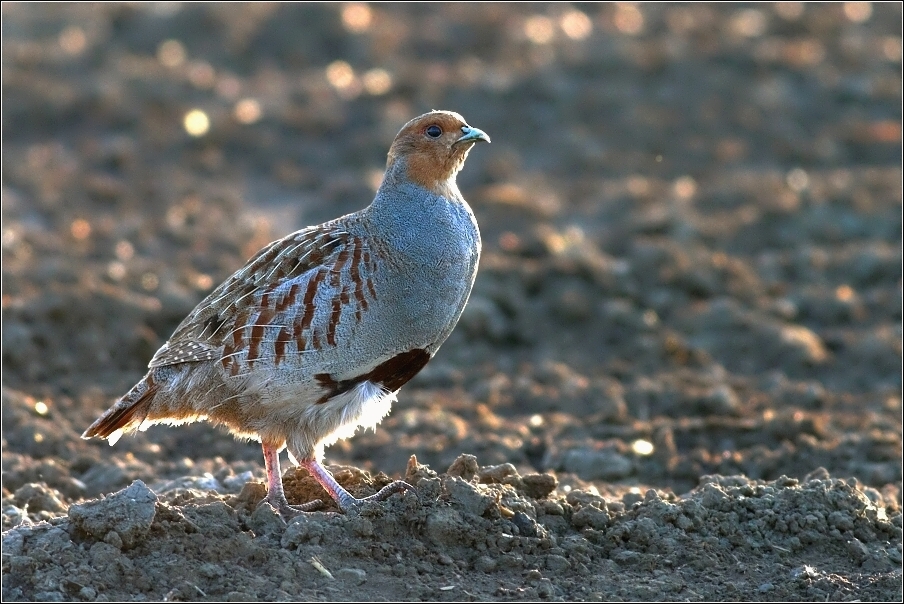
(679,374)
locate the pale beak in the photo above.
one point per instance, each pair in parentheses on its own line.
(472,135)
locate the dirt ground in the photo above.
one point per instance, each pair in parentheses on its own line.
(679,374)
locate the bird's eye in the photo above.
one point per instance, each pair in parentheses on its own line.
(434,131)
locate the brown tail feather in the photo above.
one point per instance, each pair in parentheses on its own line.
(130,411)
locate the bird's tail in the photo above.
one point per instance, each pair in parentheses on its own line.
(127,414)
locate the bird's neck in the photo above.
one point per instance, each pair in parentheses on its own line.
(402,171)
(403,205)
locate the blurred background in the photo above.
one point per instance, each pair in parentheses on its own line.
(691,216)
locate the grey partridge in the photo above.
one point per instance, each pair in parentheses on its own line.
(316,334)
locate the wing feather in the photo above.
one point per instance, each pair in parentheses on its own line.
(208,329)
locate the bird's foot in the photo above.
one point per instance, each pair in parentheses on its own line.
(288,511)
(347,502)
(276,496)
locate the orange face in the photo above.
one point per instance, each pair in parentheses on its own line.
(434,147)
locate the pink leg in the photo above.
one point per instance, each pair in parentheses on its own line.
(276,496)
(345,499)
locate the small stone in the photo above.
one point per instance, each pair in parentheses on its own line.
(266,521)
(354,576)
(251,495)
(592,464)
(465,467)
(415,472)
(484,564)
(496,474)
(713,496)
(557,563)
(545,589)
(584,498)
(819,473)
(467,496)
(590,516)
(539,486)
(526,525)
(858,550)
(629,499)
(651,496)
(550,508)
(511,561)
(806,572)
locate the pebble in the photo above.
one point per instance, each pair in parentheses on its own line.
(354,576)
(592,464)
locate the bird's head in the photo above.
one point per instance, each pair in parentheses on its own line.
(432,148)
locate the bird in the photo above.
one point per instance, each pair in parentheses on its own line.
(315,335)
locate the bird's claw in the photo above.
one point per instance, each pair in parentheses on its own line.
(287,511)
(349,503)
